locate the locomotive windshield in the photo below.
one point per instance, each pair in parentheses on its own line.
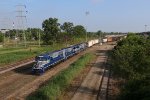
(41,59)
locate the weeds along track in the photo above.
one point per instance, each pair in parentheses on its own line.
(19,82)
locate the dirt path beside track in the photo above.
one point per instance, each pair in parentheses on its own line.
(89,88)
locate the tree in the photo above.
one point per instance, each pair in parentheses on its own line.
(99,33)
(136,90)
(67,27)
(11,33)
(130,61)
(51,30)
(79,30)
(130,57)
(1,37)
(33,33)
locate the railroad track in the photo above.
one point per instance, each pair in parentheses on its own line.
(35,84)
(95,85)
(18,82)
(103,88)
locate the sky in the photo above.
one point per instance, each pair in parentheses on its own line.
(104,15)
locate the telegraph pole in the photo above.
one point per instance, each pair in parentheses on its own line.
(5,23)
(21,18)
(86,13)
(15,34)
(39,38)
(145,28)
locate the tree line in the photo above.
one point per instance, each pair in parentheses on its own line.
(52,32)
(55,32)
(130,61)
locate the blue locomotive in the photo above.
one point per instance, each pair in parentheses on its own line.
(45,61)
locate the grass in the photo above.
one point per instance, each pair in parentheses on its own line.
(57,85)
(21,54)
(14,54)
(8,49)
(11,50)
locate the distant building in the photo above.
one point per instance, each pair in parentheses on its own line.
(4,30)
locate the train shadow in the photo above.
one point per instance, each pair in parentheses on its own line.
(26,70)
(98,72)
(102,66)
(87,90)
(101,51)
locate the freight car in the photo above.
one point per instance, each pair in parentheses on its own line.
(92,42)
(104,40)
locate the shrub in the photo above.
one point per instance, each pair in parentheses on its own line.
(131,61)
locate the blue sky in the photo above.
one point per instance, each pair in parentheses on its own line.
(105,15)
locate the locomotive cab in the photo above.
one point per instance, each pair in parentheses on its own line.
(41,61)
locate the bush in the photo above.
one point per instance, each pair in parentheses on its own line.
(138,89)
(130,58)
(131,61)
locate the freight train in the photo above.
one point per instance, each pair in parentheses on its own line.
(47,60)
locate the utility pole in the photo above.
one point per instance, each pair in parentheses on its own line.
(39,38)
(86,13)
(3,32)
(15,34)
(100,37)
(9,28)
(21,17)
(5,23)
(145,28)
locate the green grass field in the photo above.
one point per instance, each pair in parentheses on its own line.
(10,55)
(57,85)
(13,54)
